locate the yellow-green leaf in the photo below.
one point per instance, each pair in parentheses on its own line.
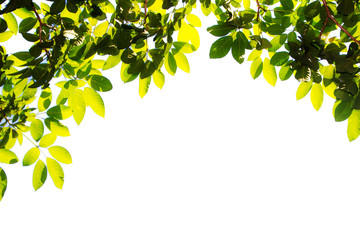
(56,172)
(47,140)
(317,96)
(39,175)
(181,61)
(170,64)
(11,22)
(3,183)
(144,86)
(353,128)
(5,36)
(303,89)
(31,156)
(56,127)
(60,112)
(94,100)
(247,4)
(77,105)
(8,157)
(36,129)
(269,72)
(60,154)
(101,29)
(256,68)
(159,78)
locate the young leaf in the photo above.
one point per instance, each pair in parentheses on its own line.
(269,72)
(144,86)
(3,183)
(47,140)
(36,129)
(170,64)
(77,105)
(39,175)
(31,156)
(353,128)
(60,154)
(112,61)
(221,47)
(159,78)
(317,96)
(11,22)
(8,157)
(45,99)
(94,100)
(181,61)
(256,68)
(56,172)
(56,127)
(193,20)
(303,90)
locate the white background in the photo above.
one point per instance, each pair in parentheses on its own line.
(213,155)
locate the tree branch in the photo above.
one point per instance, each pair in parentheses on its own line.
(258,11)
(329,15)
(40,30)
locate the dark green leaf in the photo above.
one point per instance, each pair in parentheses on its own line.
(27,24)
(221,47)
(100,83)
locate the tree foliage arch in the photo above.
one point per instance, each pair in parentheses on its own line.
(73,41)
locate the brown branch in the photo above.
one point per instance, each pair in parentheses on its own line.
(145,12)
(258,11)
(40,30)
(323,27)
(329,15)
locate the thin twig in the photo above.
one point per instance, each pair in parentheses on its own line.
(40,30)
(258,11)
(329,15)
(323,27)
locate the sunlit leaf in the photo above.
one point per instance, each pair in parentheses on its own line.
(56,172)
(317,96)
(31,156)
(77,105)
(159,79)
(3,183)
(94,100)
(8,157)
(60,154)
(303,89)
(39,175)
(47,140)
(353,128)
(144,86)
(269,72)
(56,127)
(36,129)
(59,112)
(256,68)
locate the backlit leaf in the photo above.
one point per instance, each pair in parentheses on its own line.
(8,157)
(39,175)
(256,68)
(269,72)
(303,89)
(31,156)
(60,112)
(159,79)
(317,96)
(36,129)
(56,127)
(47,140)
(77,105)
(170,64)
(3,183)
(144,86)
(181,61)
(94,100)
(11,22)
(60,154)
(56,172)
(353,128)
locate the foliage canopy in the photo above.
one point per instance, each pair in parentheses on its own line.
(60,75)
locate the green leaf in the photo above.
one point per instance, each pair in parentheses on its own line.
(303,74)
(279,58)
(147,70)
(57,7)
(45,99)
(101,29)
(285,72)
(254,55)
(159,78)
(184,47)
(60,154)
(353,128)
(77,105)
(39,175)
(56,172)
(275,29)
(170,64)
(269,72)
(8,157)
(125,76)
(221,47)
(256,68)
(47,140)
(36,129)
(220,30)
(287,4)
(144,86)
(3,183)
(31,156)
(238,49)
(100,83)
(11,22)
(94,100)
(27,24)
(56,127)
(60,112)
(317,96)
(342,110)
(303,89)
